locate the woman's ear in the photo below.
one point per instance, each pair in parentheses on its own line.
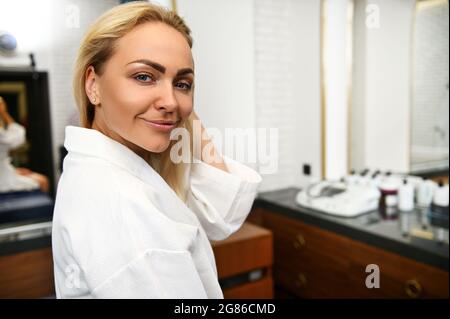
(91,86)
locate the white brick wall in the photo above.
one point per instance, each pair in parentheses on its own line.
(287,69)
(274,98)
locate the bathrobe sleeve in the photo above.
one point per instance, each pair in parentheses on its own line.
(221,200)
(13,136)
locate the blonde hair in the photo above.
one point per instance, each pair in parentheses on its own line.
(98,46)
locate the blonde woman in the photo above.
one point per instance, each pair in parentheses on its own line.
(129,222)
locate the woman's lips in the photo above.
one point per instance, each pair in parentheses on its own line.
(164,126)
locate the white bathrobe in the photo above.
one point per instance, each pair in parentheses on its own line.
(119,231)
(11,137)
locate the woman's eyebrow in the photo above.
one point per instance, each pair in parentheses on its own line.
(162,68)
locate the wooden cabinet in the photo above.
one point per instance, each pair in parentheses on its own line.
(27,275)
(310,262)
(247,250)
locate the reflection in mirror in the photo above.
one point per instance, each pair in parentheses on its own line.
(429,118)
(399,97)
(25,146)
(15,96)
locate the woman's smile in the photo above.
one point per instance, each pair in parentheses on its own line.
(161,125)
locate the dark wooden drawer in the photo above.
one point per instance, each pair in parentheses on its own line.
(249,249)
(27,275)
(314,263)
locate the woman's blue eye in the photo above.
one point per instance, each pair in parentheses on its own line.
(143,78)
(183,86)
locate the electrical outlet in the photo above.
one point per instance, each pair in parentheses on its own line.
(306,169)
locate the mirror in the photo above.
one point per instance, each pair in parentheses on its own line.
(399,97)
(15,96)
(26,95)
(429,113)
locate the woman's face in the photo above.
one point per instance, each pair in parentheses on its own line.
(145,89)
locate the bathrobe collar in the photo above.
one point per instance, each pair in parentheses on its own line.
(93,143)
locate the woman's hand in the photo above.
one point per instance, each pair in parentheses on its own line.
(3,108)
(210,155)
(4,115)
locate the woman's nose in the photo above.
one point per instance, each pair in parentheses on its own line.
(167,101)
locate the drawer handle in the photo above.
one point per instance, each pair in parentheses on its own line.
(413,288)
(299,242)
(301,280)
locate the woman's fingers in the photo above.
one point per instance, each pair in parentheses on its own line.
(2,105)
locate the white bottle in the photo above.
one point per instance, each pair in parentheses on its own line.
(441,196)
(425,193)
(406,197)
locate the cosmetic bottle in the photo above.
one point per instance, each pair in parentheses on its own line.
(425,193)
(438,211)
(406,197)
(389,197)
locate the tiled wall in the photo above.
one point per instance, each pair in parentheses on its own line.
(274,98)
(287,79)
